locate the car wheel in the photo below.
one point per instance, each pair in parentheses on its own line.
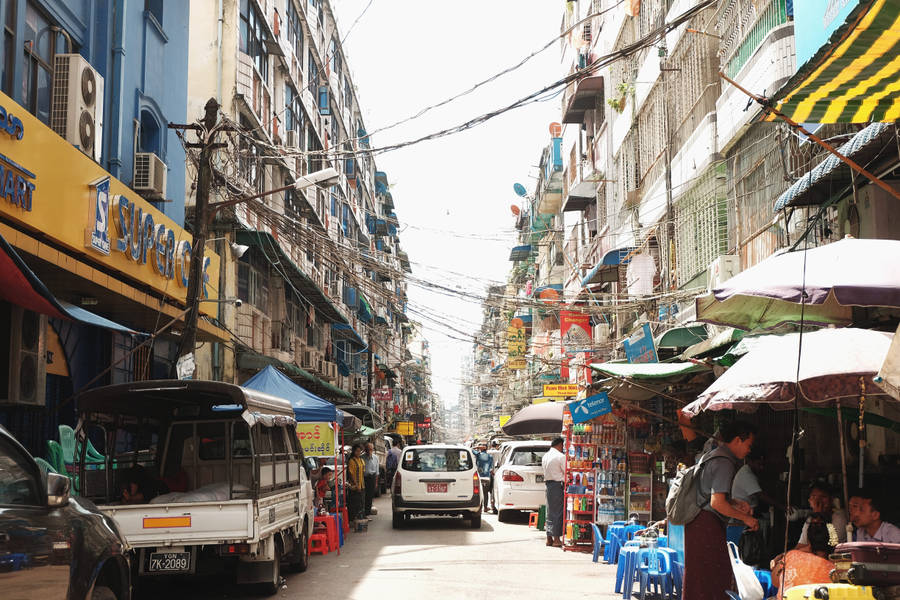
(503,516)
(397,521)
(271,587)
(475,520)
(101,592)
(300,557)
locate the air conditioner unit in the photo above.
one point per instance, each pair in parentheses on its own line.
(306,359)
(76,111)
(291,138)
(149,175)
(27,357)
(721,270)
(320,365)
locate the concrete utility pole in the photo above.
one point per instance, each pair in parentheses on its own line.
(201,228)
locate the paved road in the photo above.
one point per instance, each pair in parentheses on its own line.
(440,558)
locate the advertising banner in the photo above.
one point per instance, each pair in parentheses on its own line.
(590,407)
(515,344)
(406,428)
(316,439)
(560,390)
(640,348)
(504,419)
(575,331)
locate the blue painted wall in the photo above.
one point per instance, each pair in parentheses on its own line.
(143,62)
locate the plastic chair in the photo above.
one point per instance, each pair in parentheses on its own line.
(677,577)
(67,442)
(318,544)
(44,465)
(627,570)
(611,548)
(630,530)
(657,576)
(55,456)
(598,541)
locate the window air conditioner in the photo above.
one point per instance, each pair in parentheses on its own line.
(306,359)
(149,175)
(76,111)
(291,138)
(721,270)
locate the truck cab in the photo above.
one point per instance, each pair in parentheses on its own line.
(199,476)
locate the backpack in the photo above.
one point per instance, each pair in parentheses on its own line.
(682,501)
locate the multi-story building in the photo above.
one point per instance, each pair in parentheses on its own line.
(94,207)
(322,278)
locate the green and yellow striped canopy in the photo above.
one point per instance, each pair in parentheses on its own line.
(856,77)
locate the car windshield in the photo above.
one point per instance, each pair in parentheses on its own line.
(527,457)
(437,459)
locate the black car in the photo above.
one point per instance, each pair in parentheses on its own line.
(53,546)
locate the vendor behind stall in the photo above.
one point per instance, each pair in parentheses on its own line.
(866,514)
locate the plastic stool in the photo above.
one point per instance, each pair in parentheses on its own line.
(533,519)
(318,543)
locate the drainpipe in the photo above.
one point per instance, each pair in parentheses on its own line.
(116,74)
(219,34)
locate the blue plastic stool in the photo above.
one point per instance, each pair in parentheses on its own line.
(677,577)
(626,571)
(611,549)
(765,579)
(658,577)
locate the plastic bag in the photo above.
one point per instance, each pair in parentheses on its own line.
(748,585)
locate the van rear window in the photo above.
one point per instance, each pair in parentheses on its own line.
(528,457)
(437,460)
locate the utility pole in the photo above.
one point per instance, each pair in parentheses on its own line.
(369,372)
(207,146)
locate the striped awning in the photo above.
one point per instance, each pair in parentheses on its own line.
(855,78)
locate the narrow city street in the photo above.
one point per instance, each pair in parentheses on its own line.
(436,558)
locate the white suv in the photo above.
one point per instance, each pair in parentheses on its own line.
(436,479)
(519,478)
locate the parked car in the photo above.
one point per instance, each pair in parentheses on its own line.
(200,477)
(436,479)
(53,546)
(519,477)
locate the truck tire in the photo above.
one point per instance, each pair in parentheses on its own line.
(271,587)
(475,520)
(503,515)
(397,520)
(300,557)
(101,592)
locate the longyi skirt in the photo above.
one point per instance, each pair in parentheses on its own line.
(707,569)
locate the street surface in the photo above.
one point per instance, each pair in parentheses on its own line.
(437,558)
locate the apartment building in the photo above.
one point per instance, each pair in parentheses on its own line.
(322,278)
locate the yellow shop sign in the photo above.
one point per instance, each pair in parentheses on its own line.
(49,186)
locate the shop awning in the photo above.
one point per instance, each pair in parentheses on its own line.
(608,264)
(365,309)
(682,337)
(310,290)
(249,360)
(816,186)
(649,371)
(854,77)
(20,286)
(307,406)
(725,338)
(347,331)
(520,253)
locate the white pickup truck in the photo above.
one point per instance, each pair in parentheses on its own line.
(200,477)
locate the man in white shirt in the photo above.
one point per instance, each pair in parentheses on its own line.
(865,514)
(554,464)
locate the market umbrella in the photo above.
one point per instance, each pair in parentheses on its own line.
(838,276)
(832,363)
(536,419)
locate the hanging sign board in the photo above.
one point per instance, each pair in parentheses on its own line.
(316,439)
(516,345)
(406,428)
(640,348)
(590,407)
(560,390)
(575,330)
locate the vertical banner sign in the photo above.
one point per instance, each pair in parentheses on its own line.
(640,348)
(316,439)
(516,347)
(575,330)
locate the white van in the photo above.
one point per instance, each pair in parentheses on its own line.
(436,479)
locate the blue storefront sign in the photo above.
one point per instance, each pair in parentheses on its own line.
(815,21)
(640,348)
(590,407)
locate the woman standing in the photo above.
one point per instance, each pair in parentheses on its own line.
(357,483)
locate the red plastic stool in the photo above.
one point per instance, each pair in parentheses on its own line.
(532,519)
(329,526)
(318,543)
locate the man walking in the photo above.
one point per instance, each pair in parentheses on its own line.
(371,475)
(485,464)
(554,464)
(393,461)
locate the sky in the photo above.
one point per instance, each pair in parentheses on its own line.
(453,195)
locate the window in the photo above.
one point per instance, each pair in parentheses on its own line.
(149,138)
(335,58)
(253,38)
(253,282)
(294,29)
(40,46)
(430,460)
(293,110)
(9,48)
(348,94)
(211,441)
(313,75)
(528,457)
(18,481)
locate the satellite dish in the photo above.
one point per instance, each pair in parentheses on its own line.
(520,189)
(515,210)
(549,295)
(555,130)
(517,323)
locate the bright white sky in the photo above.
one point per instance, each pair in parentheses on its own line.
(453,195)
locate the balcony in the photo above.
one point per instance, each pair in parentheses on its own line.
(581,193)
(581,96)
(550,196)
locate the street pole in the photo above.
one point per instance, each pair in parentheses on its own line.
(369,373)
(201,230)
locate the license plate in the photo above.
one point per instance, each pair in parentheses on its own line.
(539,479)
(170,562)
(436,488)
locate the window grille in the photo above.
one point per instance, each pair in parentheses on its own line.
(701,227)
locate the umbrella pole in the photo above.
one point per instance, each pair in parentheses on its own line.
(862,428)
(840,421)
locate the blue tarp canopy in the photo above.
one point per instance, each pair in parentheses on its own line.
(613,258)
(520,252)
(307,406)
